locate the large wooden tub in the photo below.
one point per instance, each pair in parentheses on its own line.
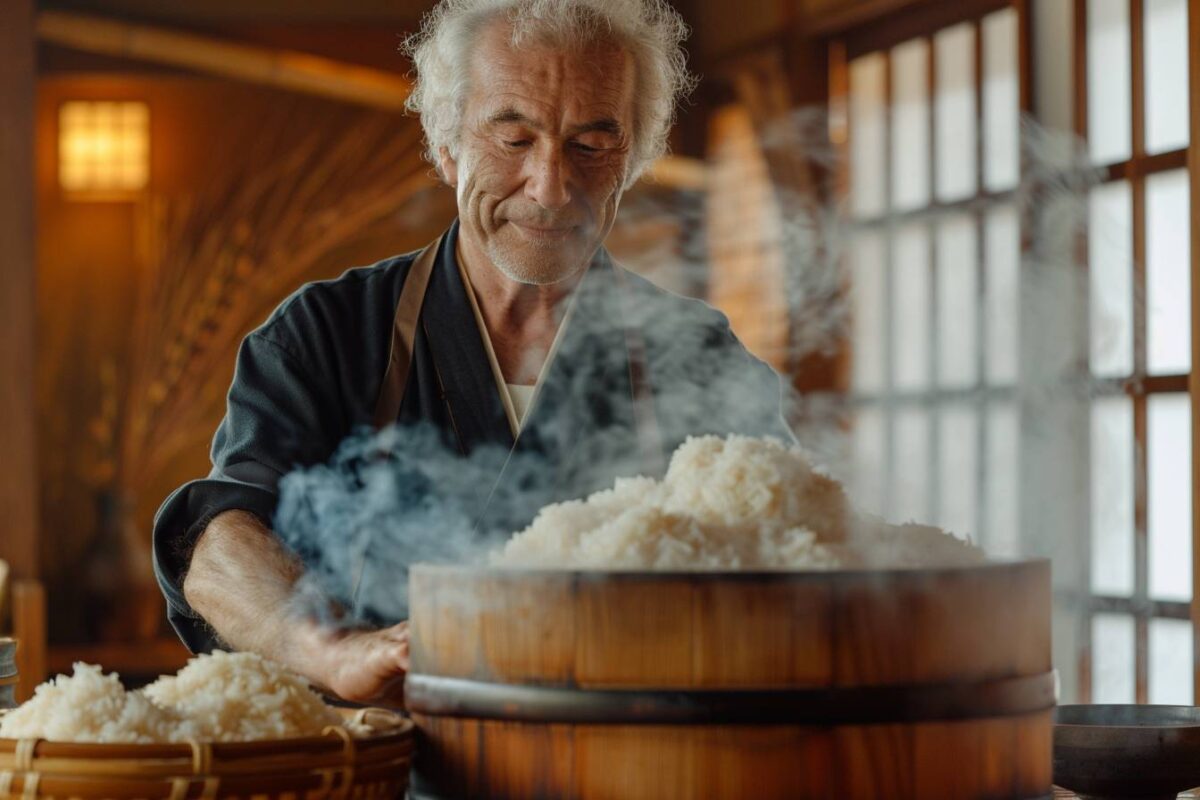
(896,684)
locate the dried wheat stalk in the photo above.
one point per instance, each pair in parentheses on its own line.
(223,256)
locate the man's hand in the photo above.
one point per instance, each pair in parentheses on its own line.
(364,666)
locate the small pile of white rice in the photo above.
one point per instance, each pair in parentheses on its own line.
(89,706)
(237,697)
(222,697)
(726,503)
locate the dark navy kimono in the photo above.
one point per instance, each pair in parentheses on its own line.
(311,374)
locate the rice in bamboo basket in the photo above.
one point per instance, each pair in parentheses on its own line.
(334,764)
(227,725)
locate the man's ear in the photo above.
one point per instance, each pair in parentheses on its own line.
(448,166)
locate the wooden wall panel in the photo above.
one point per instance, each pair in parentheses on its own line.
(774,277)
(747,264)
(18,464)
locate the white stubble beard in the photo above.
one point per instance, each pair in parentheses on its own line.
(541,270)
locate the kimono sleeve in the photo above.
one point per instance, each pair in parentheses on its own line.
(277,417)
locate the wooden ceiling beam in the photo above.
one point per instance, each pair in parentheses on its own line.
(400,14)
(286,69)
(837,17)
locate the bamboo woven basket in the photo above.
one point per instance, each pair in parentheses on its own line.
(334,765)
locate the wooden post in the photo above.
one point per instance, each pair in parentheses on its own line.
(29,629)
(18,467)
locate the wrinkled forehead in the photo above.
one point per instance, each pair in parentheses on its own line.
(547,77)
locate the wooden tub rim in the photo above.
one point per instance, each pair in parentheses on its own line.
(755,575)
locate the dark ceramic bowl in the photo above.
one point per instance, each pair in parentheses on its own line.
(1105,752)
(8,673)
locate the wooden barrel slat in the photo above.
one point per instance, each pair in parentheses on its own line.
(584,636)
(932,760)
(730,623)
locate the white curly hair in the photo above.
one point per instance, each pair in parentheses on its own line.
(650,30)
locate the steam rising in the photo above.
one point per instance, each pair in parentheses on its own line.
(361,519)
(382,502)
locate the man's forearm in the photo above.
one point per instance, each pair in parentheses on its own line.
(241,580)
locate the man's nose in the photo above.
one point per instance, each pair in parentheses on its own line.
(549,179)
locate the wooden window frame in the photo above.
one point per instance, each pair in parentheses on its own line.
(1139,386)
(879,37)
(923,22)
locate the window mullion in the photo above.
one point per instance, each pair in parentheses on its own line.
(981,318)
(1194,382)
(1141,479)
(1140,571)
(889,293)
(934,489)
(1080,79)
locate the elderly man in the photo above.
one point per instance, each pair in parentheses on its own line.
(514,330)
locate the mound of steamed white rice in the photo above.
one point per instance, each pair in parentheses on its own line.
(236,697)
(89,706)
(222,697)
(726,503)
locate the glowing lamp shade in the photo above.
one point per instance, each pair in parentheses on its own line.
(103,148)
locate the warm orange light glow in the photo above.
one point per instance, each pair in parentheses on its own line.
(103,148)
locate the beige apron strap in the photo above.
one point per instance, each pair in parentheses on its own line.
(404,331)
(649,439)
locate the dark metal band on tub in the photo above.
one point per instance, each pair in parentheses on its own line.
(457,697)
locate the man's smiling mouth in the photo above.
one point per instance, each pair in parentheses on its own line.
(545,232)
